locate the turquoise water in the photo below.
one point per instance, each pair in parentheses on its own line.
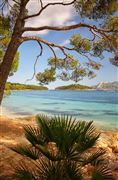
(100,106)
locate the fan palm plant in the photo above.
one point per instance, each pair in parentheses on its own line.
(61,149)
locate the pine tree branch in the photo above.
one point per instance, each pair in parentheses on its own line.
(70,27)
(16,2)
(41,3)
(37,58)
(47,5)
(38,39)
(49,44)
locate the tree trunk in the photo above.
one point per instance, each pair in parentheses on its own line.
(5,67)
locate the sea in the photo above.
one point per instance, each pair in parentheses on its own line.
(90,105)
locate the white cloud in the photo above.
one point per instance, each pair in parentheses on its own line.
(66,42)
(57,15)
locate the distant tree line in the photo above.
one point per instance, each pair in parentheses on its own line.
(74,87)
(18,86)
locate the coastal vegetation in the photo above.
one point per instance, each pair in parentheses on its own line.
(103,38)
(60,148)
(74,87)
(17,86)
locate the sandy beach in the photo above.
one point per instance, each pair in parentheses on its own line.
(11,134)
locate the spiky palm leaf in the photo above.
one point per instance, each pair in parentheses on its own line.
(59,130)
(33,135)
(30,152)
(87,136)
(73,170)
(50,170)
(23,173)
(70,136)
(94,159)
(61,170)
(102,173)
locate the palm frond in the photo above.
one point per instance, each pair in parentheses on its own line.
(58,130)
(73,170)
(71,136)
(44,126)
(30,152)
(87,136)
(23,173)
(51,170)
(33,135)
(102,173)
(94,159)
(42,117)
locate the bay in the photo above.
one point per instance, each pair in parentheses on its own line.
(99,106)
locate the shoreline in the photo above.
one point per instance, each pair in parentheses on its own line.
(102,126)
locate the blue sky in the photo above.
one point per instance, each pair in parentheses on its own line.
(29,50)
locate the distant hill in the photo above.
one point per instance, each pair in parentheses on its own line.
(73,87)
(106,86)
(99,86)
(18,86)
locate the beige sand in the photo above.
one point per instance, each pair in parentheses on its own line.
(11,133)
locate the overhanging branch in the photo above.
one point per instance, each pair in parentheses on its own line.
(58,28)
(65,28)
(47,5)
(49,44)
(38,39)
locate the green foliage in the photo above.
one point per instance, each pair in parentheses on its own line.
(78,74)
(70,68)
(15,64)
(4,25)
(60,147)
(7,92)
(49,170)
(112,23)
(96,9)
(1,55)
(5,35)
(47,76)
(17,86)
(80,44)
(30,152)
(67,63)
(33,135)
(94,65)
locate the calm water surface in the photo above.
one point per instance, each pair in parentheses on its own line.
(100,106)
